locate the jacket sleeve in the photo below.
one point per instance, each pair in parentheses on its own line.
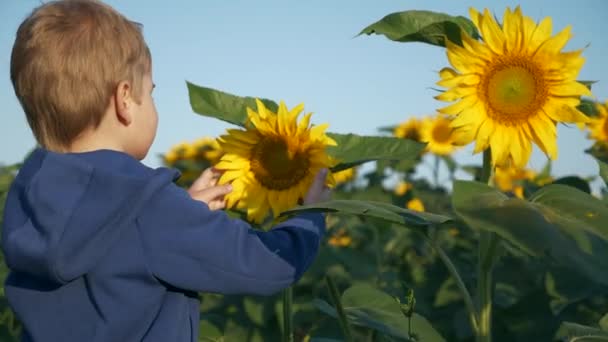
(193,248)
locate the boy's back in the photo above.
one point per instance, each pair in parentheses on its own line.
(102,248)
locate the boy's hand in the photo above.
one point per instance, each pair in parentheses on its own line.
(318,191)
(205,189)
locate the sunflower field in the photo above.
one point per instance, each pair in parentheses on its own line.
(515,254)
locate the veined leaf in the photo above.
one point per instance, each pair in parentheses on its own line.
(551,226)
(422,26)
(369,307)
(377,210)
(353,150)
(224,106)
(572,332)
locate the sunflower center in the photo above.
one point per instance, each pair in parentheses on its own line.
(273,166)
(514,90)
(442,132)
(412,134)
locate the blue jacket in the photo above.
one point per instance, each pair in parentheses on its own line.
(103,248)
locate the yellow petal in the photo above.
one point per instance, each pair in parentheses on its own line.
(540,34)
(570,89)
(544,134)
(564,113)
(467,79)
(554,45)
(491,32)
(486,129)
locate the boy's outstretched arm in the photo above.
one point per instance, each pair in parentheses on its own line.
(189,246)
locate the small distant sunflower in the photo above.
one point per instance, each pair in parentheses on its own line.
(514,86)
(272,163)
(415,204)
(402,188)
(510,178)
(598,126)
(409,129)
(208,148)
(438,133)
(344,176)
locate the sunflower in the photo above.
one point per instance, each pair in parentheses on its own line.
(208,149)
(272,163)
(438,133)
(409,129)
(512,88)
(509,179)
(344,176)
(415,204)
(598,126)
(402,188)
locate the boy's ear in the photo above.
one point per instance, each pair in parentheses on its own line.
(124,102)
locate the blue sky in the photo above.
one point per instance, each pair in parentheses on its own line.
(306,51)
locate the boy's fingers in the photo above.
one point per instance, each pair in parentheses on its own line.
(217,191)
(319,182)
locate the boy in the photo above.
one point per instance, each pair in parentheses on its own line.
(101,247)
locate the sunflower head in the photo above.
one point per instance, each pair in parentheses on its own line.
(511,89)
(598,125)
(439,135)
(415,204)
(409,129)
(272,162)
(344,176)
(509,179)
(402,188)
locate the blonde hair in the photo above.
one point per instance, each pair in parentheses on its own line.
(67,60)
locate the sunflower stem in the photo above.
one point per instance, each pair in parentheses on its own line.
(488,248)
(335,296)
(287,315)
(468,301)
(436,172)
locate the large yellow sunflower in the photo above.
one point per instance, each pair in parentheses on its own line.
(409,129)
(272,163)
(513,87)
(438,133)
(598,126)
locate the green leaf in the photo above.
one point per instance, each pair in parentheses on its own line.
(377,210)
(224,106)
(575,182)
(603,323)
(353,150)
(588,107)
(572,208)
(422,26)
(555,225)
(572,332)
(587,84)
(369,307)
(603,171)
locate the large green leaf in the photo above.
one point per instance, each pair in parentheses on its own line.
(572,332)
(572,208)
(369,307)
(422,26)
(221,105)
(377,210)
(552,226)
(353,149)
(603,171)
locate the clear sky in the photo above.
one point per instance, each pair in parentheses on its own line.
(306,51)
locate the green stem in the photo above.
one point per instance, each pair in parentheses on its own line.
(468,300)
(488,245)
(436,172)
(287,315)
(378,252)
(335,297)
